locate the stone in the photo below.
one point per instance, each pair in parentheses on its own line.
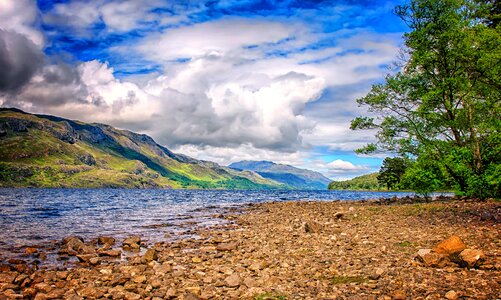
(162,269)
(421,253)
(451,246)
(312,227)
(56,294)
(94,260)
(194,290)
(8,277)
(70,238)
(196,259)
(30,250)
(139,279)
(433,259)
(110,253)
(471,258)
(249,282)
(190,296)
(132,242)
(150,255)
(233,280)
(132,296)
(171,293)
(376,274)
(43,287)
(156,283)
(339,215)
(41,296)
(106,240)
(85,257)
(399,295)
(451,295)
(226,246)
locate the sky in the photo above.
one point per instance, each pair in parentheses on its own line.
(218,80)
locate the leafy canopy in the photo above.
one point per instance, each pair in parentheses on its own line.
(391,172)
(442,108)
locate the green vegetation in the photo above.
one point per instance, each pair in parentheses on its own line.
(404,244)
(348,279)
(442,109)
(47,151)
(392,171)
(270,296)
(367,182)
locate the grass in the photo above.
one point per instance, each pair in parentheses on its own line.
(270,296)
(404,244)
(348,279)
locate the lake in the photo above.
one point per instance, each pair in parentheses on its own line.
(37,216)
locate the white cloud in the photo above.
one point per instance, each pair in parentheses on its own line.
(342,165)
(21,16)
(118,16)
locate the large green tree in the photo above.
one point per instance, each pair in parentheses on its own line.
(391,172)
(442,108)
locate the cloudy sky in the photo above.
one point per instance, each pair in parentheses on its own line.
(221,80)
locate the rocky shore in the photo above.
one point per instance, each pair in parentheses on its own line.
(448,249)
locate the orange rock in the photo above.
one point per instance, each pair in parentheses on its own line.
(30,250)
(451,246)
(471,257)
(433,259)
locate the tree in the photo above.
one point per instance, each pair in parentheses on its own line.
(391,172)
(443,105)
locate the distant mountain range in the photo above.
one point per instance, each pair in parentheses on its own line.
(49,151)
(295,177)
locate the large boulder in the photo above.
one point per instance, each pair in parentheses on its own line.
(451,246)
(471,258)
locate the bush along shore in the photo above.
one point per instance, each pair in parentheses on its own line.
(388,249)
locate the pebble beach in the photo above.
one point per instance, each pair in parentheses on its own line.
(444,249)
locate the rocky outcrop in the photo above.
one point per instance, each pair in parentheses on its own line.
(451,250)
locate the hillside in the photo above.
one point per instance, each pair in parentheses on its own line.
(365,182)
(289,175)
(48,151)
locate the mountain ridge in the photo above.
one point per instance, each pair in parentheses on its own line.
(295,177)
(50,151)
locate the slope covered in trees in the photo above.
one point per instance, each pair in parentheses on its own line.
(367,182)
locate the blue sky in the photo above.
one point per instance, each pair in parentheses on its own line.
(217,80)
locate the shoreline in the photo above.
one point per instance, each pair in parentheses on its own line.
(291,249)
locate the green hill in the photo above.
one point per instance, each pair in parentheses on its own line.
(48,151)
(365,182)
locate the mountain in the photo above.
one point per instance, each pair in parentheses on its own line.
(294,177)
(366,182)
(49,151)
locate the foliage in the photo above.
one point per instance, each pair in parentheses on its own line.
(367,182)
(392,171)
(443,106)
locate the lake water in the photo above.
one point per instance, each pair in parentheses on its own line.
(37,216)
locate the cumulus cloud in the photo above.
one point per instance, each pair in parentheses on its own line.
(342,165)
(21,16)
(20,59)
